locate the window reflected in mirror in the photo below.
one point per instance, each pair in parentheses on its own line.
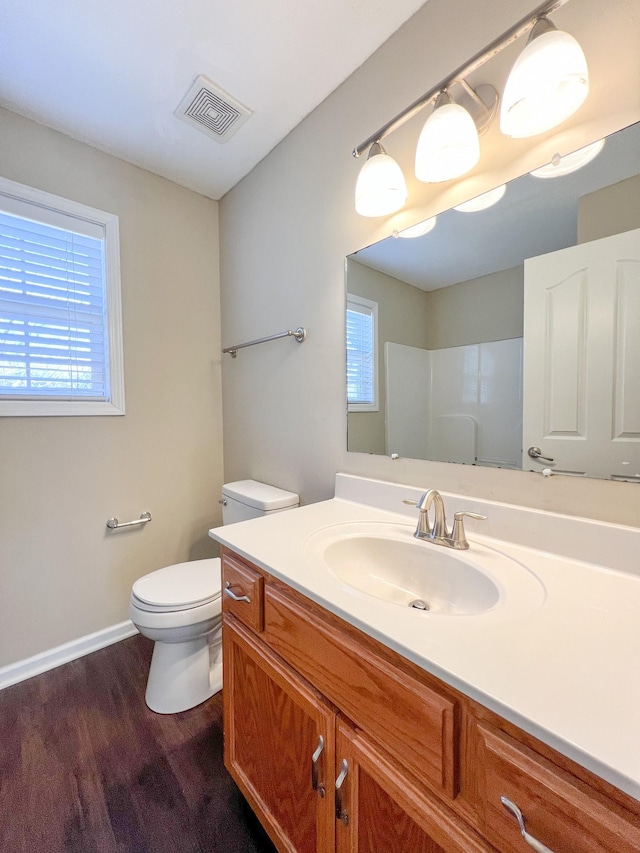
(362,354)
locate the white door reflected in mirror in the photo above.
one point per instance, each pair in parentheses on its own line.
(582,358)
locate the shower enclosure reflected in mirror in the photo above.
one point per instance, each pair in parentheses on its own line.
(510,328)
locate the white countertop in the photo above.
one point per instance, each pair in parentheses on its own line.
(565,670)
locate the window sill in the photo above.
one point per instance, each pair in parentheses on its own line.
(57,408)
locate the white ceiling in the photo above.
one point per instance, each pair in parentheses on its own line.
(112,73)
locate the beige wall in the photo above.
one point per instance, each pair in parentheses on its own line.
(287,227)
(61,574)
(610,210)
(488,308)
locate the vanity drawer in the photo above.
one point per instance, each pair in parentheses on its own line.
(559,810)
(242,581)
(416,724)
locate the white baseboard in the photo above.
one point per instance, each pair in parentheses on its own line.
(23,669)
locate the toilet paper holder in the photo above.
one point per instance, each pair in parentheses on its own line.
(114,524)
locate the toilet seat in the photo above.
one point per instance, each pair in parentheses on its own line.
(173,621)
(182,586)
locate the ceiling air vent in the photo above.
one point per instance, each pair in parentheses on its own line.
(212,110)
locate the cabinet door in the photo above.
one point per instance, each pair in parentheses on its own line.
(273,723)
(379,807)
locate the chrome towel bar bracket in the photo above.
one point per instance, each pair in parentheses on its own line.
(299,334)
(114,524)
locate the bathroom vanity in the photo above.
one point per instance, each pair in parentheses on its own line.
(356,723)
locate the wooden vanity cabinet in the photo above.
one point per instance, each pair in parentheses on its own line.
(425,765)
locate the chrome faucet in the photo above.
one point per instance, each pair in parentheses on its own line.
(438,534)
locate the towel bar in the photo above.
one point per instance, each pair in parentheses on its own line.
(300,334)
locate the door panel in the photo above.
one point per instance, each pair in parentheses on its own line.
(582,359)
(385,809)
(273,721)
(627,362)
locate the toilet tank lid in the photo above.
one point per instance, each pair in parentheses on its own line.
(259,495)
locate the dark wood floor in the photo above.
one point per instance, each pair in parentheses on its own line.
(85,767)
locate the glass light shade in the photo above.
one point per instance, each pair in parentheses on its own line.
(547,84)
(381,188)
(570,162)
(418,230)
(448,145)
(482,202)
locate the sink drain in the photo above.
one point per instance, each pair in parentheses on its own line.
(419,604)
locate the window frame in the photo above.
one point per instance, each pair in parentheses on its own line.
(61,212)
(361,301)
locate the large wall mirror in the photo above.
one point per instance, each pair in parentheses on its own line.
(511,328)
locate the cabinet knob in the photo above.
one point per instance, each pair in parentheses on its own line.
(340,814)
(538,846)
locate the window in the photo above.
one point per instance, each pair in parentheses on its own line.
(60,322)
(362,354)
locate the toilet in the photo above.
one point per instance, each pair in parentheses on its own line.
(180,608)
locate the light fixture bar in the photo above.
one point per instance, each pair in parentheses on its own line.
(498,44)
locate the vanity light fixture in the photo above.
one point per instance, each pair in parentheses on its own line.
(482,202)
(381,188)
(448,146)
(547,84)
(534,101)
(418,230)
(560,166)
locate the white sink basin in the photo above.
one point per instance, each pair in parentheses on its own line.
(387,562)
(404,572)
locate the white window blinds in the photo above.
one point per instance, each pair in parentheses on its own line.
(56,341)
(52,307)
(362,356)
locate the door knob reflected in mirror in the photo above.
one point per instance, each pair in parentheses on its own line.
(536,453)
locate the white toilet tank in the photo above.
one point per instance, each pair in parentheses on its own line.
(247,499)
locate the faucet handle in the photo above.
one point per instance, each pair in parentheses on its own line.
(459,540)
(423,529)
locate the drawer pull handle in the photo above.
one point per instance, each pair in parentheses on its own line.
(341,815)
(228,591)
(538,846)
(315,759)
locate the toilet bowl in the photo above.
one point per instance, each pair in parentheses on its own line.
(179,607)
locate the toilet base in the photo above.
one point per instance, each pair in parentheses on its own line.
(181,676)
